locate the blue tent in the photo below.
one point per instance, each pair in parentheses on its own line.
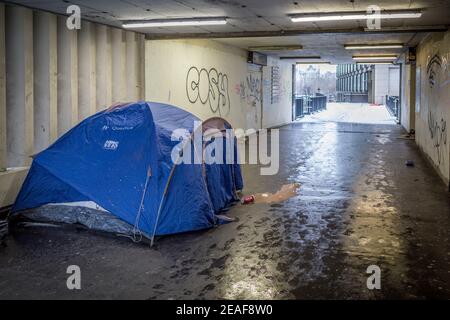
(120,158)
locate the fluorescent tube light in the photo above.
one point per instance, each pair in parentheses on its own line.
(355,16)
(174,22)
(372,46)
(385,57)
(300,58)
(312,62)
(275,48)
(375,62)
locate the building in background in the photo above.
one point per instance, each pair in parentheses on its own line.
(312,79)
(367,83)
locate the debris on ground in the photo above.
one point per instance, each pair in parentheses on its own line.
(247,199)
(3,230)
(407,136)
(409,163)
(225,218)
(287,191)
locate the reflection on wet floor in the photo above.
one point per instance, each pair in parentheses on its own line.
(358,205)
(287,191)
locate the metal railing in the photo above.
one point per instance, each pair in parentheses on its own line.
(393,105)
(317,103)
(305,104)
(299,107)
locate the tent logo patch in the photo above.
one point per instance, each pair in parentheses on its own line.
(121,128)
(111,145)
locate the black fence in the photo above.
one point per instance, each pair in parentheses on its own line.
(352,97)
(309,104)
(393,105)
(299,107)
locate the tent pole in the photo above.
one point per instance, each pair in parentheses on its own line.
(136,223)
(152,240)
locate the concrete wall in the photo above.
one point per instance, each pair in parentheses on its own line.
(67,87)
(387,82)
(252,96)
(10,184)
(103,67)
(134,66)
(433,100)
(394,81)
(87,76)
(407,95)
(279,112)
(52,77)
(118,58)
(19,86)
(45,80)
(182,72)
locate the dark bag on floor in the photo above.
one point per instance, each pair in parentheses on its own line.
(3,230)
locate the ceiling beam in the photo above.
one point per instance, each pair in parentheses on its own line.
(283,33)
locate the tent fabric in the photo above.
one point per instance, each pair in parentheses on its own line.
(120,158)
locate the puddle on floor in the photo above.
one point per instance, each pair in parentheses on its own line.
(286,192)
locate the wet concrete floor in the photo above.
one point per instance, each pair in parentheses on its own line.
(358,205)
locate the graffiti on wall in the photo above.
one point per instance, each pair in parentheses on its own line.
(434,65)
(437,72)
(240,90)
(254,88)
(250,89)
(276,85)
(438,134)
(210,87)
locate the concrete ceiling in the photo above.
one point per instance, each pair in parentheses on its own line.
(266,22)
(244,15)
(330,47)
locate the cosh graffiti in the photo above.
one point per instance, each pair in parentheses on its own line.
(438,134)
(209,87)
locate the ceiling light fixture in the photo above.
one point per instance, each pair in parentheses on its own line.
(275,48)
(375,62)
(359,15)
(300,58)
(381,57)
(373,46)
(312,62)
(173,22)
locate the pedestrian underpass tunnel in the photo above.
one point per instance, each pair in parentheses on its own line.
(339,111)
